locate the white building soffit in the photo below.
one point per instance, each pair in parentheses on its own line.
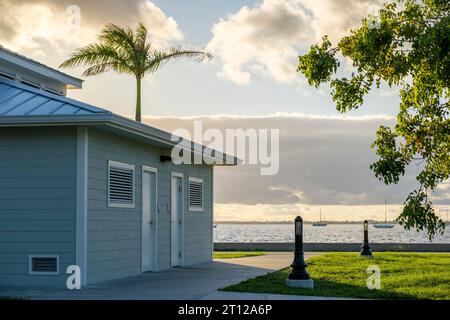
(37,67)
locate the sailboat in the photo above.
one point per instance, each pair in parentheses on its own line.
(320,223)
(384,225)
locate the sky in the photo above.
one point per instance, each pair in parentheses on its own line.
(250,83)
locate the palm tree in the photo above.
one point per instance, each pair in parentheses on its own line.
(126,51)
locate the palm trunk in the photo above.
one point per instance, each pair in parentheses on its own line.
(138,99)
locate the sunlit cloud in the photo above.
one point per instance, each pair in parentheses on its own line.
(324,163)
(29,34)
(260,40)
(267,212)
(54,30)
(336,18)
(265,39)
(164,30)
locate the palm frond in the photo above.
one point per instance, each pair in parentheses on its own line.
(118,37)
(141,35)
(105,67)
(95,55)
(130,44)
(157,58)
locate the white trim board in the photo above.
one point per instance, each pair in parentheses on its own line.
(176,174)
(81,201)
(183,211)
(155,171)
(212,212)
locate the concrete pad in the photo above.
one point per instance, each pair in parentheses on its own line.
(225,295)
(307,284)
(184,283)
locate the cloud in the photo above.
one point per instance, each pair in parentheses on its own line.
(279,114)
(55,31)
(262,38)
(324,160)
(442,193)
(287,212)
(26,33)
(265,39)
(335,18)
(163,29)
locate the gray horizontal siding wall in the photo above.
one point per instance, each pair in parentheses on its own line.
(114,234)
(37,202)
(198,225)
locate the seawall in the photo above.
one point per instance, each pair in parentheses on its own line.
(342,247)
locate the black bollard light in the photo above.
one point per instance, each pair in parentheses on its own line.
(298,265)
(365,249)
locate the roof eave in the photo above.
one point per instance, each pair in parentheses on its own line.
(117,122)
(54,120)
(41,69)
(219,159)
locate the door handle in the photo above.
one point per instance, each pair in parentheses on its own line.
(151,222)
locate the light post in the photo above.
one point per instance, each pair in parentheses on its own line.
(299,277)
(365,249)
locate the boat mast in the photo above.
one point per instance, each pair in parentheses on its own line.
(320,215)
(385,212)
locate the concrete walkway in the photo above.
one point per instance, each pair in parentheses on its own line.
(224,295)
(192,282)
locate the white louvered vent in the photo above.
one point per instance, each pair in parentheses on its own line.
(195,194)
(120,185)
(44,264)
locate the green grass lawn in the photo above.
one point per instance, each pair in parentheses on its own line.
(403,276)
(232,254)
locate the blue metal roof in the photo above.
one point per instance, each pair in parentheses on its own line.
(21,100)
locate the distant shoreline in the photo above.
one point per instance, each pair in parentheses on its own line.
(306,222)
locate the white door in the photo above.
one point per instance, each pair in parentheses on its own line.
(176,220)
(149,209)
